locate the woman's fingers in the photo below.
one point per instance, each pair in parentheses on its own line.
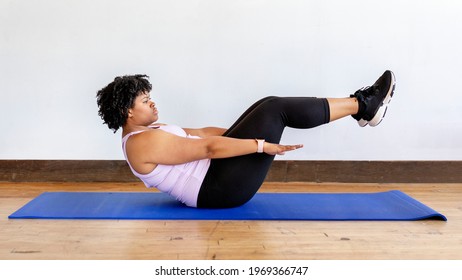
(285,148)
(278,149)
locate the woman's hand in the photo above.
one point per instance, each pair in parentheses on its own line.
(278,149)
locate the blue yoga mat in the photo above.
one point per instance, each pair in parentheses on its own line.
(391,205)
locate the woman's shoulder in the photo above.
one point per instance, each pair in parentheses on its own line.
(154,131)
(173,129)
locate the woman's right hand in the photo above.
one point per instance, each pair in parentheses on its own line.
(278,149)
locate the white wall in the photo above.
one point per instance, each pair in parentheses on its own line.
(208,60)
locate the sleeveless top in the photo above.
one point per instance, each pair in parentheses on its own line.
(182,181)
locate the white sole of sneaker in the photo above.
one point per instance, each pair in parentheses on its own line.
(362,123)
(377,119)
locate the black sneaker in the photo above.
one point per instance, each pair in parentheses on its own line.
(373,100)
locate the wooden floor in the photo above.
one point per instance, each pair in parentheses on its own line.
(112,239)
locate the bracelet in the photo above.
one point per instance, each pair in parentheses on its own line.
(260,143)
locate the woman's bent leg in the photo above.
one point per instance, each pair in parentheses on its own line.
(248,111)
(233,181)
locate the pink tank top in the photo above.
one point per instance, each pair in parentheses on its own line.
(182,181)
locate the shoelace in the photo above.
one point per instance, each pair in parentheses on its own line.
(366,91)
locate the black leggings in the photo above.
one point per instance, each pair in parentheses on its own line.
(231,182)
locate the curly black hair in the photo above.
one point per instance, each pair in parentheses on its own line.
(116,98)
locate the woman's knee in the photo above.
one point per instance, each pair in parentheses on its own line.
(273,103)
(265,99)
(269,97)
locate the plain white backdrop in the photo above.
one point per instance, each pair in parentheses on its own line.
(209,60)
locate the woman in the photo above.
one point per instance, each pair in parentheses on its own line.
(215,167)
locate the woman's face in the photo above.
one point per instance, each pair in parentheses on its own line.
(144,111)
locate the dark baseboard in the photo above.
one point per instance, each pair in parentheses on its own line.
(367,171)
(65,171)
(281,171)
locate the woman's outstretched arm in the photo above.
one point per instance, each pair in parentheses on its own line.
(146,150)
